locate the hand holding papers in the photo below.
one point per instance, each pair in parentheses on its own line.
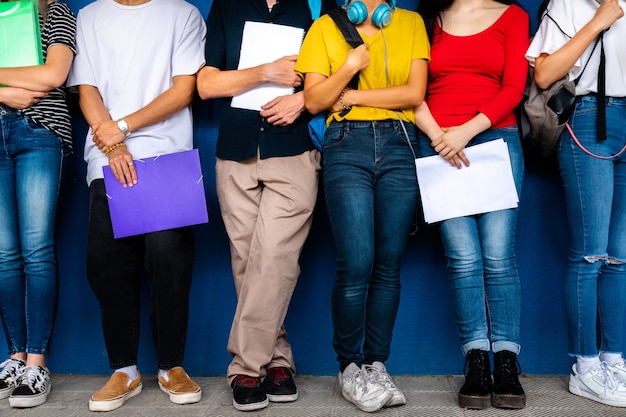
(486,185)
(263,43)
(169,194)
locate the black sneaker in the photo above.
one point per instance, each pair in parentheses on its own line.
(476,391)
(248,393)
(507,390)
(12,370)
(33,389)
(279,385)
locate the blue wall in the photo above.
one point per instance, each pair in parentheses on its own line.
(425,340)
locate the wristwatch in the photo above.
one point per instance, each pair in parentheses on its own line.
(123,126)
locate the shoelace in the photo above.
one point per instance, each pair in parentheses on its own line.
(377,375)
(509,370)
(32,378)
(11,371)
(474,370)
(360,381)
(610,380)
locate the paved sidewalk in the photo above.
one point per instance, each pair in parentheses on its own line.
(432,396)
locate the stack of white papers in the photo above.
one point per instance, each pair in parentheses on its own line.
(486,185)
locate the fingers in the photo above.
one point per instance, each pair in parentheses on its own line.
(124,169)
(461,155)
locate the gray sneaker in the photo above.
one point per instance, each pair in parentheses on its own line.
(33,389)
(367,394)
(12,370)
(377,372)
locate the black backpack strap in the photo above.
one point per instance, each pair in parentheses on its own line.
(340,17)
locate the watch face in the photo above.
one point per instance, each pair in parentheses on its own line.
(123,126)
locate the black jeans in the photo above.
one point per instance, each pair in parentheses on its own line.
(115,268)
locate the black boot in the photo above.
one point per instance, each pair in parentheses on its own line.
(476,391)
(507,391)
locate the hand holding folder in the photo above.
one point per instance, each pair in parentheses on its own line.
(168,194)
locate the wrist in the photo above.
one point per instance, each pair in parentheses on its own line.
(342,99)
(122,125)
(110,149)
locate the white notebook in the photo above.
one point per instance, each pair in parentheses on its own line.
(263,43)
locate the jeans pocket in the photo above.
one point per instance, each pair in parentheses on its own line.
(334,136)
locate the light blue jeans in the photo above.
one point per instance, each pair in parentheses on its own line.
(30,171)
(480,250)
(595,196)
(371,196)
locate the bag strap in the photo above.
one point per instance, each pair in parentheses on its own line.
(350,34)
(601,120)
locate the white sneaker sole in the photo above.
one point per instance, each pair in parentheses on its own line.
(591,396)
(110,405)
(252,406)
(396,400)
(182,398)
(369,406)
(29,401)
(282,398)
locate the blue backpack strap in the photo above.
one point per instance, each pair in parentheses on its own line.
(316,8)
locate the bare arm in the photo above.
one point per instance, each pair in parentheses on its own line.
(106,133)
(215,83)
(398,97)
(44,77)
(19,98)
(321,92)
(429,126)
(550,68)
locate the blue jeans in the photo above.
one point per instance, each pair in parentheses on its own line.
(115,268)
(30,172)
(371,195)
(595,196)
(480,250)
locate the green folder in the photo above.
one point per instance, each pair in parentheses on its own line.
(20,39)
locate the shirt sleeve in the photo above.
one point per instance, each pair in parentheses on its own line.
(515,69)
(215,50)
(313,56)
(81,71)
(188,57)
(550,35)
(62,26)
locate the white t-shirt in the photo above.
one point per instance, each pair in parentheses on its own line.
(131,54)
(571,16)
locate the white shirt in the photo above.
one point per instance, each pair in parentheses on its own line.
(131,54)
(571,16)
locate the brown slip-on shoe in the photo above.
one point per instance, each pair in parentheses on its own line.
(115,392)
(180,388)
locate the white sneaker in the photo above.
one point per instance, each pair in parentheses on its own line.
(366,394)
(599,384)
(377,372)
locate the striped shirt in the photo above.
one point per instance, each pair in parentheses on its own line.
(52,112)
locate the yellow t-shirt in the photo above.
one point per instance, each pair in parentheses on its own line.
(324,50)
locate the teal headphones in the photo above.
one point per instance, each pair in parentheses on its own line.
(357,13)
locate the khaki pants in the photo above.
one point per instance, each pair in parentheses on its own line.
(267,208)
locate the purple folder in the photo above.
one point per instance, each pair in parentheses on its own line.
(169,193)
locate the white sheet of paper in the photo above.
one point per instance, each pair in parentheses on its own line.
(263,43)
(486,185)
